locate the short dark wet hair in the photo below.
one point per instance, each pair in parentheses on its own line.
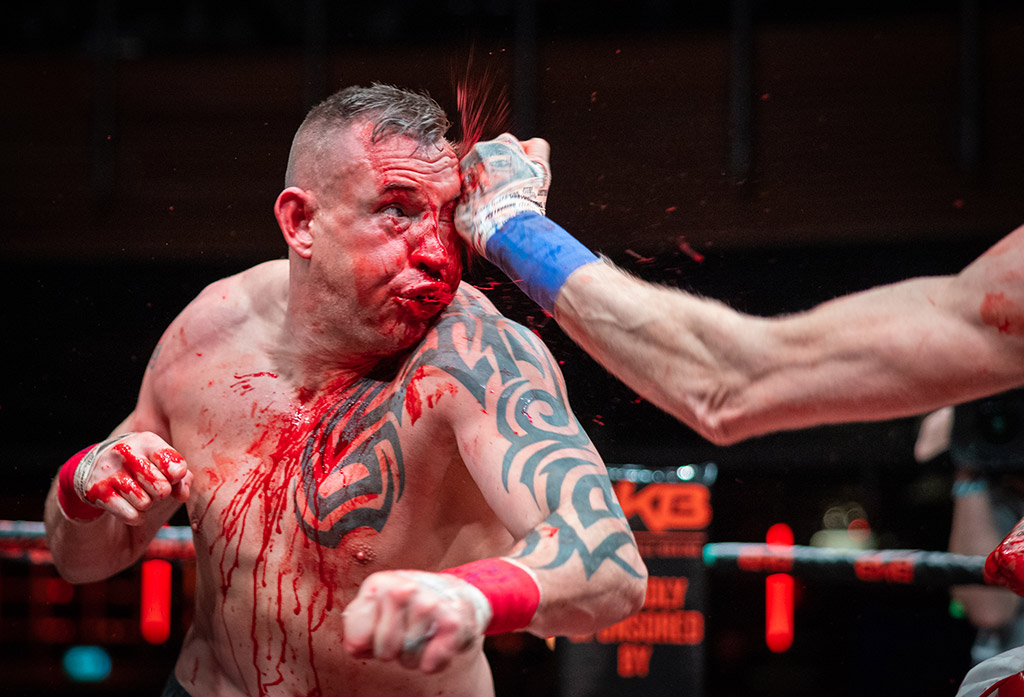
(392,110)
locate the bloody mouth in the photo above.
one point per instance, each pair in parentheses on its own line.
(426,301)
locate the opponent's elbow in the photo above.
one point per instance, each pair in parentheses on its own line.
(716,419)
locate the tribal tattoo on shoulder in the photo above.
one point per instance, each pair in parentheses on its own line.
(352,468)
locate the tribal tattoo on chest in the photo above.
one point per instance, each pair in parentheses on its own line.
(352,466)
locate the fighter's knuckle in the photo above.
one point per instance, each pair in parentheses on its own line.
(426,605)
(448,622)
(435,665)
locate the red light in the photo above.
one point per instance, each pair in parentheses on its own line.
(859,530)
(778,619)
(58,591)
(155,605)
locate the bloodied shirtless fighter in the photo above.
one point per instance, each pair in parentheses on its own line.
(378,467)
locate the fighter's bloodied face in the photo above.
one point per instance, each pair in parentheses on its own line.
(391,242)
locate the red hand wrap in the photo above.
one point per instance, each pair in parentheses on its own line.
(73,506)
(511,591)
(1005,565)
(1010,686)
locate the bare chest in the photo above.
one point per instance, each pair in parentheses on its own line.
(344,468)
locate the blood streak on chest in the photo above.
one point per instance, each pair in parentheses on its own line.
(332,466)
(243,383)
(249,523)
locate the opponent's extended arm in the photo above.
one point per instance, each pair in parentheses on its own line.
(887,352)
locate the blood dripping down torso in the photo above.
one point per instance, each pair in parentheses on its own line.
(299,495)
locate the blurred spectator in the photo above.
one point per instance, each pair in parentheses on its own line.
(986,447)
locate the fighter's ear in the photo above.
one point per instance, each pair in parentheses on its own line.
(294,213)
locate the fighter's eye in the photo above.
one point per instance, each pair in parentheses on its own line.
(394,211)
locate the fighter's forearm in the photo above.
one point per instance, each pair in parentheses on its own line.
(589,576)
(85,551)
(92,550)
(885,353)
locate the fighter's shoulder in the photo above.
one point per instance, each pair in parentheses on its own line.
(224,306)
(470,300)
(471,306)
(993,279)
(472,330)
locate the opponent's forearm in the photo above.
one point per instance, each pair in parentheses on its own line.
(695,358)
(885,353)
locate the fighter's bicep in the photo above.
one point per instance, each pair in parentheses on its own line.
(521,442)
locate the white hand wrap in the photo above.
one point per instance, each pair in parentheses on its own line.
(85,467)
(499,181)
(454,589)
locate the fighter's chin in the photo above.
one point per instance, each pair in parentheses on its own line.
(410,323)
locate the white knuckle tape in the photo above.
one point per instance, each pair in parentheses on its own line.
(488,213)
(501,181)
(85,467)
(481,607)
(452,588)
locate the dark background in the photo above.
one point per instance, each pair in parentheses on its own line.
(769,154)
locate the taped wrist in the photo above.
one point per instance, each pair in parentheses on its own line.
(71,481)
(70,502)
(509,587)
(537,255)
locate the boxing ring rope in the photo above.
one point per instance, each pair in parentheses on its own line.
(25,540)
(892,566)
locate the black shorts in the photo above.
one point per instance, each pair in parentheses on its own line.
(173,688)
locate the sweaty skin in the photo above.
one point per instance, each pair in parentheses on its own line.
(352,411)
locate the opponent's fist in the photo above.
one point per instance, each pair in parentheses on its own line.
(501,178)
(421,619)
(124,476)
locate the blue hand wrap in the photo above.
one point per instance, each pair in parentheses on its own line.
(537,255)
